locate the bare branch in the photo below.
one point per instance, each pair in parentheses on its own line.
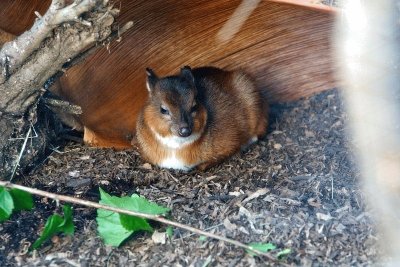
(160,219)
(14,54)
(68,43)
(37,58)
(62,105)
(115,34)
(71,12)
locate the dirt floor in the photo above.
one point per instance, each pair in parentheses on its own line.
(309,200)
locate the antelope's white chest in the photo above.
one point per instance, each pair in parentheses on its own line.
(172,144)
(173,162)
(176,142)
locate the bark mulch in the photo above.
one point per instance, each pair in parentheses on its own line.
(297,188)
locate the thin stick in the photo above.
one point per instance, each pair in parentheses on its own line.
(160,219)
(21,152)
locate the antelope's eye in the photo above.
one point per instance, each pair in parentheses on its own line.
(194,108)
(164,111)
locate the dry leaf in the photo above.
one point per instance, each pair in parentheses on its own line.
(158,238)
(324,217)
(258,193)
(277,146)
(74,173)
(147,166)
(230,226)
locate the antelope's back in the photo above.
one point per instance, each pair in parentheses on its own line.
(285,47)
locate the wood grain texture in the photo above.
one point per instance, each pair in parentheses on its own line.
(286,48)
(5,37)
(16,16)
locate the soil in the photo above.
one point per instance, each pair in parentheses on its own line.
(297,188)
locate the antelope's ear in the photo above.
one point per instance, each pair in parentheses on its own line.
(186,73)
(152,79)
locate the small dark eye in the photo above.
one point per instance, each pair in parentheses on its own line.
(164,111)
(194,108)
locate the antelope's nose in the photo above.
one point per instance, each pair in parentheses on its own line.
(185,131)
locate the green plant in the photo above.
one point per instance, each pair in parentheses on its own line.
(13,200)
(56,224)
(114,228)
(117,218)
(266,247)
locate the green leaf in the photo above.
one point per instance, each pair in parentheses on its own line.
(6,204)
(134,223)
(56,224)
(67,226)
(114,228)
(262,247)
(283,253)
(169,231)
(110,228)
(202,238)
(49,230)
(140,204)
(108,222)
(22,200)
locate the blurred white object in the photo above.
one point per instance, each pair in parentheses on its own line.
(368,55)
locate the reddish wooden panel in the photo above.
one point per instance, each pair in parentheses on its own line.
(285,47)
(16,16)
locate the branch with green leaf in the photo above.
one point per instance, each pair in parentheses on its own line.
(117,218)
(114,228)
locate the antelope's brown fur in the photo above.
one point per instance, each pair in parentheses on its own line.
(286,48)
(231,111)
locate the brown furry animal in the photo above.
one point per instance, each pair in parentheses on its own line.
(199,117)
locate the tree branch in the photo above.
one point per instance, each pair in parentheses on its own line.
(14,54)
(19,90)
(137,214)
(62,106)
(30,63)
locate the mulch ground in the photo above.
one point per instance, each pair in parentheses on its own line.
(297,188)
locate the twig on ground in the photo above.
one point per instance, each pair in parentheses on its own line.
(21,152)
(209,228)
(160,219)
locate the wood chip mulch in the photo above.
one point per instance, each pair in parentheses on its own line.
(297,188)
